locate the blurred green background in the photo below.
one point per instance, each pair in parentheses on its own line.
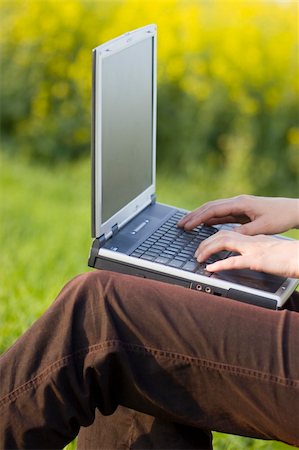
(228,104)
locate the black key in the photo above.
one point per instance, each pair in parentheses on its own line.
(136,254)
(184,239)
(143,247)
(156,236)
(151,240)
(161,260)
(148,257)
(208,231)
(187,252)
(152,252)
(173,234)
(181,258)
(176,263)
(170,252)
(166,238)
(174,245)
(165,255)
(190,266)
(159,247)
(198,238)
(211,260)
(164,241)
(174,230)
(203,236)
(192,232)
(159,243)
(202,271)
(217,256)
(184,257)
(137,250)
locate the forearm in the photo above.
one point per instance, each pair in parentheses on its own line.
(292,212)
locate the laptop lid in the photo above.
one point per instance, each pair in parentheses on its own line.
(124,129)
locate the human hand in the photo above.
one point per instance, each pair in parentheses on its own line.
(258,215)
(262,253)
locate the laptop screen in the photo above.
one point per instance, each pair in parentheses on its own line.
(127,111)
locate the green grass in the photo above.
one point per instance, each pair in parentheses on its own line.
(45,241)
(44,238)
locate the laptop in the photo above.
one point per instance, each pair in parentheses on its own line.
(133,233)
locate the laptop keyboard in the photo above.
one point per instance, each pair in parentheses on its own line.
(175,247)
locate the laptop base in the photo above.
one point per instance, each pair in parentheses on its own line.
(98,262)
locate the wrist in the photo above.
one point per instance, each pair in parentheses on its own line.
(294,268)
(295,207)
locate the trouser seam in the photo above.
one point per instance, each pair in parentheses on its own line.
(131,432)
(150,351)
(209,364)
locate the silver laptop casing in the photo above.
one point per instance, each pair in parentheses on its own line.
(146,197)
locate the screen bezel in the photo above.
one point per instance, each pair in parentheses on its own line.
(144,198)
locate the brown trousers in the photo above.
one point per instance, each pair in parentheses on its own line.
(187,362)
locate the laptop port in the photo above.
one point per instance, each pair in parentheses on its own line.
(217,293)
(208,290)
(198,287)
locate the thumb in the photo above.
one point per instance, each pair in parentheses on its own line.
(251,228)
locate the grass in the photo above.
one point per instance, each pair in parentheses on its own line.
(45,241)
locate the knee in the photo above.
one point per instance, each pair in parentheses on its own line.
(90,279)
(83,304)
(94,281)
(91,288)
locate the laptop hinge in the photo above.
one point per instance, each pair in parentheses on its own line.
(114,229)
(96,245)
(102,240)
(153,198)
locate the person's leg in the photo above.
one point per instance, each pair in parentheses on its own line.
(292,304)
(168,352)
(127,428)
